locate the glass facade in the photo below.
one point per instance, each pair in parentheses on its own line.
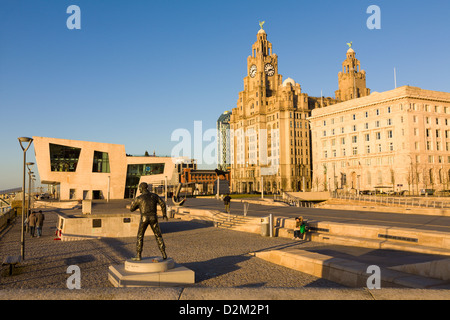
(134,173)
(101,162)
(64,158)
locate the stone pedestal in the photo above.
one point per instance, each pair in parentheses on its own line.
(150,272)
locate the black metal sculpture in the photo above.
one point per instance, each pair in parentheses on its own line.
(176,196)
(147,203)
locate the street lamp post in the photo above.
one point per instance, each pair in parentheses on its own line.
(22,237)
(29,187)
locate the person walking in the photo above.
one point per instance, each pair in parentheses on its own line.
(39,223)
(32,223)
(226,201)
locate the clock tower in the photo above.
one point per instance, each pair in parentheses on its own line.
(262,66)
(269,140)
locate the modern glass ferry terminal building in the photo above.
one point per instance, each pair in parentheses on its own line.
(92,170)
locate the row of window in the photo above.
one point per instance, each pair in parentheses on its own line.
(389,109)
(354,128)
(368,150)
(65,159)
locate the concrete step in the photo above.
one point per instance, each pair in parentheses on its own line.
(347,272)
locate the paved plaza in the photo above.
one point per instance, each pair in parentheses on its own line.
(219,257)
(223,260)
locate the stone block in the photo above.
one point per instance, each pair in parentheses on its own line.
(164,274)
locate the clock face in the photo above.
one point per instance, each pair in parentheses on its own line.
(269,69)
(252,71)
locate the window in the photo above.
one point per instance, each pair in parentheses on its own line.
(63,158)
(101,162)
(354,128)
(367,137)
(391,146)
(389,122)
(354,117)
(366,126)
(378,135)
(355,151)
(377,124)
(366,114)
(134,173)
(389,109)
(355,139)
(367,149)
(390,134)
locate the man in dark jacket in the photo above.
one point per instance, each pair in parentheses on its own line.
(147,203)
(39,223)
(226,202)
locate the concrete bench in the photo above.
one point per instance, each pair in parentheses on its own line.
(11,261)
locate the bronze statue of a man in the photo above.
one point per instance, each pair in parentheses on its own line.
(147,203)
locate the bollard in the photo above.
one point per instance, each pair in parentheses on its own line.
(271,225)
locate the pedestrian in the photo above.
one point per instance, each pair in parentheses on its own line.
(227,201)
(298,225)
(303,228)
(39,223)
(32,223)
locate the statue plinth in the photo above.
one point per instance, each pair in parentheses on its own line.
(150,272)
(150,264)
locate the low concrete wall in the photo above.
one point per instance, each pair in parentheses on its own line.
(371,236)
(81,227)
(40,204)
(6,218)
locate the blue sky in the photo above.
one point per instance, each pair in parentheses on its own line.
(138,70)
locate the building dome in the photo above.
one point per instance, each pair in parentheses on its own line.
(288,80)
(351,50)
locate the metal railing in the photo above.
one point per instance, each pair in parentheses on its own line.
(423,202)
(292,201)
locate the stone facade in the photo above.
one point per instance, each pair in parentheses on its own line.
(270,140)
(397,140)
